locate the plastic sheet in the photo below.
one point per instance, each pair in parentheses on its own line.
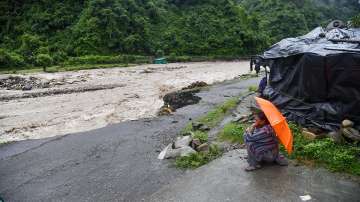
(312,85)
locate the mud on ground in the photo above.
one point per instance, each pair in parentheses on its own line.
(68,102)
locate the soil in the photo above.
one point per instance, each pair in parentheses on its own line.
(69,102)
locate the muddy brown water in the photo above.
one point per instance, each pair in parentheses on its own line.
(137,93)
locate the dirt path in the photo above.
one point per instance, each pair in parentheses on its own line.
(132,93)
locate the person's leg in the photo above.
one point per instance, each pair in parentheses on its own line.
(253,163)
(281,160)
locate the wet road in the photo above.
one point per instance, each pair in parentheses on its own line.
(224,179)
(115,163)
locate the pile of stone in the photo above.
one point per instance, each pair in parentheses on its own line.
(183,146)
(347,133)
(22,83)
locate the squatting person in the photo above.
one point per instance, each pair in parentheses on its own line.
(262,144)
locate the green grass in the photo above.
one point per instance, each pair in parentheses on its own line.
(215,116)
(325,152)
(233,132)
(252,88)
(61,68)
(202,136)
(198,159)
(211,119)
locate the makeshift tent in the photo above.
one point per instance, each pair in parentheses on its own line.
(315,79)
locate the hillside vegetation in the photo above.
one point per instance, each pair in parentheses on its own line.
(52,32)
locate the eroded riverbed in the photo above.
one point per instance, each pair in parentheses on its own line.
(120,94)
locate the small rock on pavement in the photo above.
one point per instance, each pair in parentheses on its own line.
(347,123)
(182,141)
(203,147)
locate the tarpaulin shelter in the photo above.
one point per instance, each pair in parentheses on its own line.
(315,79)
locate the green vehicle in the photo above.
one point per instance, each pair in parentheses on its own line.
(160,61)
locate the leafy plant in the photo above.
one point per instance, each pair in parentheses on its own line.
(336,157)
(198,159)
(202,136)
(233,132)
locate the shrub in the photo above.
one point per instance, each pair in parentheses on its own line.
(8,59)
(356,21)
(44,60)
(100,59)
(29,48)
(59,57)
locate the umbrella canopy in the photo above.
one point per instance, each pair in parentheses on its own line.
(278,123)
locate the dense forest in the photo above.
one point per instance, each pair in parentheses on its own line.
(52,32)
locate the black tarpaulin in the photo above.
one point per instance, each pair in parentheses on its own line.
(312,85)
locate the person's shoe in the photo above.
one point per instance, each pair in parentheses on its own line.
(281,160)
(252,168)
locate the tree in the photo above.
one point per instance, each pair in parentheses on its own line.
(43,60)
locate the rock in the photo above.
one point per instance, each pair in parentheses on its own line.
(203,147)
(308,135)
(336,136)
(182,141)
(168,152)
(204,128)
(351,133)
(46,85)
(186,151)
(27,87)
(347,123)
(222,146)
(195,143)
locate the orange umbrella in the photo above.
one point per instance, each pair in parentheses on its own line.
(278,123)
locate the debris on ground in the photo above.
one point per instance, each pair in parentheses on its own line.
(197,84)
(347,133)
(178,99)
(22,83)
(181,147)
(165,110)
(185,146)
(51,92)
